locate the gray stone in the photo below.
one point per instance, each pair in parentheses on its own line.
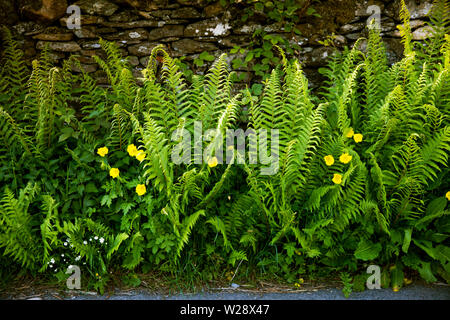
(165,32)
(422,33)
(353,36)
(317,57)
(142,49)
(419,11)
(91,45)
(144,61)
(247,29)
(28,28)
(186,46)
(349,28)
(97,7)
(70,46)
(213,27)
(128,35)
(85,33)
(133,60)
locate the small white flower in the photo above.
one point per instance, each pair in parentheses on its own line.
(65,244)
(78,258)
(85,242)
(101,240)
(95,238)
(90,239)
(52,260)
(62,254)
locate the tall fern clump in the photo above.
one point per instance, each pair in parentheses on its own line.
(164,112)
(398,128)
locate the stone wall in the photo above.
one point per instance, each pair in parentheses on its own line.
(189,27)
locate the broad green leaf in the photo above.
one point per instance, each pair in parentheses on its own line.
(367,250)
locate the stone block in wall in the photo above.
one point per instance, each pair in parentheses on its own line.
(86,32)
(85,59)
(133,60)
(160,14)
(49,11)
(247,28)
(97,7)
(89,68)
(195,3)
(351,28)
(213,10)
(134,24)
(187,46)
(422,33)
(317,56)
(91,53)
(54,34)
(212,27)
(416,11)
(128,35)
(70,46)
(185,13)
(142,49)
(165,32)
(123,16)
(28,28)
(56,56)
(235,40)
(84,20)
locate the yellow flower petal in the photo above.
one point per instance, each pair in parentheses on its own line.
(345,158)
(358,137)
(141,156)
(447,195)
(114,172)
(350,133)
(396,289)
(102,151)
(329,160)
(132,150)
(140,189)
(337,178)
(212,162)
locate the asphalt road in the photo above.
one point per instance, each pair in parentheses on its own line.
(412,292)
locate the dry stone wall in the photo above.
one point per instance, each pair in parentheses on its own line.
(190,27)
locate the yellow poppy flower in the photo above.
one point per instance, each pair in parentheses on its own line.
(329,160)
(141,156)
(114,172)
(140,189)
(358,137)
(447,195)
(337,178)
(350,133)
(102,151)
(345,158)
(396,289)
(212,162)
(132,150)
